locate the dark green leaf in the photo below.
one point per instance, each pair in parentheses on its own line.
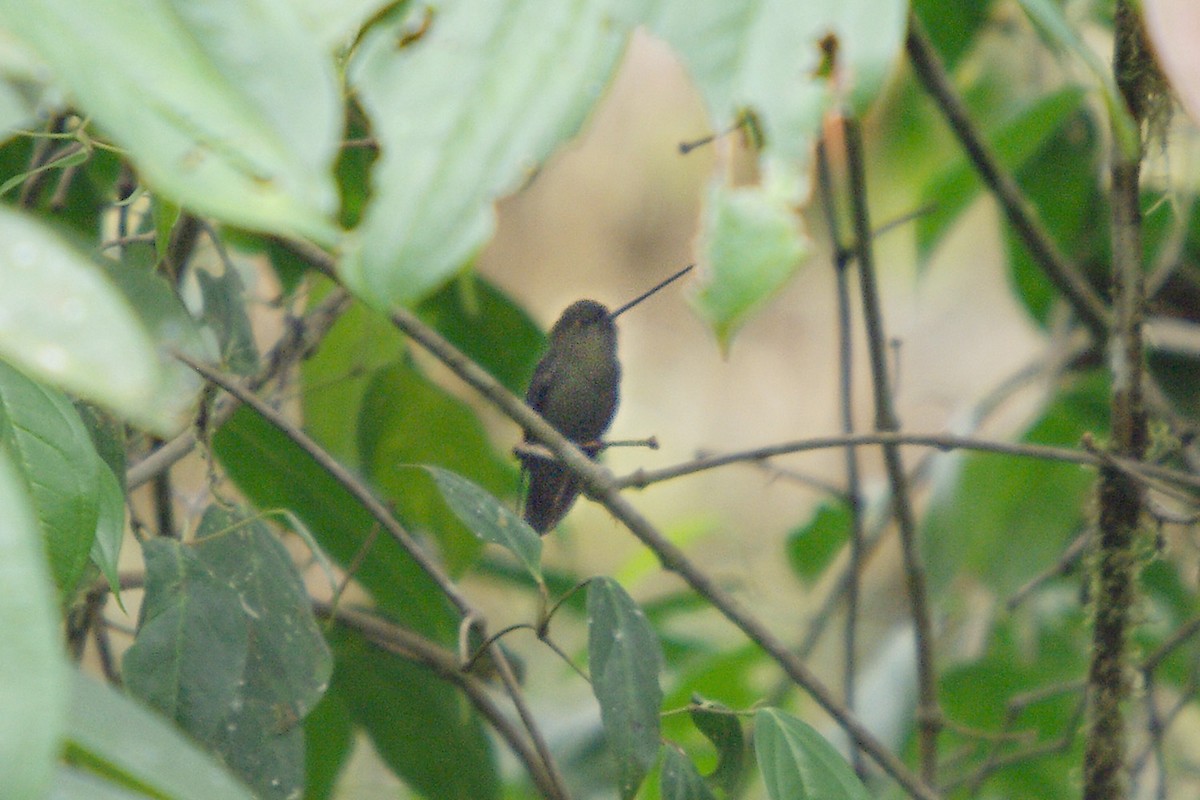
(724,729)
(228,647)
(680,780)
(812,547)
(273,472)
(225,313)
(488,326)
(952,26)
(796,763)
(1013,143)
(406,419)
(489,519)
(33,677)
(419,724)
(51,448)
(624,661)
(328,743)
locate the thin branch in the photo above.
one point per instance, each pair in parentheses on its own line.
(642,478)
(300,338)
(1065,276)
(853,494)
(928,712)
(445,665)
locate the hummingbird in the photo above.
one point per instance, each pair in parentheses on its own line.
(576,387)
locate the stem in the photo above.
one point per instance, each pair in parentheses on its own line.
(928,713)
(1021,215)
(1120,496)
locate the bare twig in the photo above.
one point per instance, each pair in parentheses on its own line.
(299,339)
(928,712)
(1065,276)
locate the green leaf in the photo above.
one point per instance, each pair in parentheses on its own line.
(796,763)
(110,530)
(462,116)
(337,375)
(64,323)
(952,26)
(489,519)
(33,676)
(229,648)
(680,780)
(328,743)
(274,473)
(192,642)
(231,108)
(225,313)
(766,57)
(122,740)
(752,244)
(724,729)
(48,443)
(1015,142)
(419,724)
(407,419)
(162,313)
(624,660)
(811,548)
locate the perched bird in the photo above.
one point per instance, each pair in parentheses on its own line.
(576,387)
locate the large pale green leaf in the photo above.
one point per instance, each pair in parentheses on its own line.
(624,659)
(33,675)
(130,746)
(228,647)
(53,453)
(797,763)
(463,115)
(230,107)
(63,322)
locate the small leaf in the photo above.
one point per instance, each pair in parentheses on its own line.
(812,547)
(110,531)
(680,780)
(624,660)
(225,313)
(53,452)
(724,729)
(751,244)
(133,747)
(489,519)
(33,676)
(796,763)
